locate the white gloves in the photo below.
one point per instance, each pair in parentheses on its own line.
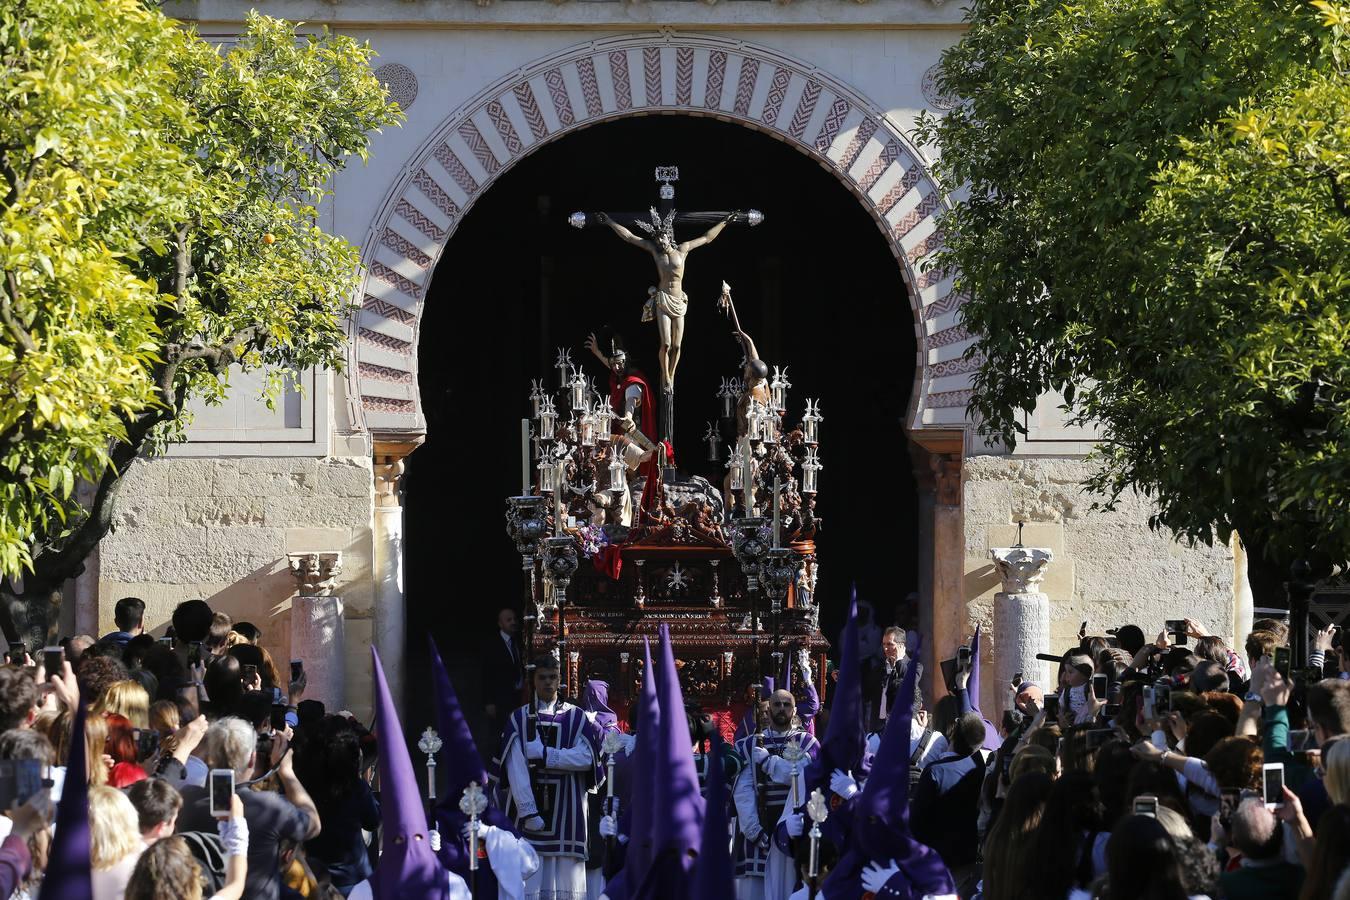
(795,823)
(843,784)
(434,839)
(483,830)
(534,749)
(533,823)
(759,754)
(874,877)
(608,827)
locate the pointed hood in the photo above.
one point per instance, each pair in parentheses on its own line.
(68,876)
(639,856)
(407,866)
(845,735)
(992,741)
(678,801)
(713,873)
(460,764)
(595,699)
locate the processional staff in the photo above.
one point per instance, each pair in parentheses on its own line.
(473,803)
(819,811)
(610,748)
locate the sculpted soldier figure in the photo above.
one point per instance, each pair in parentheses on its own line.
(668,302)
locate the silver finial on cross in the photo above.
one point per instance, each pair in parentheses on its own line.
(817,808)
(430,742)
(474,802)
(612,743)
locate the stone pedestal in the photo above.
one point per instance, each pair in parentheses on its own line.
(318,637)
(1021,616)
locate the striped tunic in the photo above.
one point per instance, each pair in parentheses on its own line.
(775,781)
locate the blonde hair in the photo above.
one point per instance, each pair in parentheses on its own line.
(1336,762)
(125,698)
(56,726)
(114,828)
(164,716)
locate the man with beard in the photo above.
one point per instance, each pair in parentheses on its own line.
(549,760)
(763,795)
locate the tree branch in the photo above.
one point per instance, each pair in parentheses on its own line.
(23,340)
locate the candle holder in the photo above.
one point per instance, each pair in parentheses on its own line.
(560,564)
(525,525)
(750,542)
(810,471)
(618,472)
(729,393)
(811,423)
(778,389)
(736,465)
(714,439)
(577,387)
(586,429)
(548,474)
(564,366)
(548,420)
(604,415)
(537,395)
(778,571)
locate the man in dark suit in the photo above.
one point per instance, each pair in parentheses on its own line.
(503,672)
(884,680)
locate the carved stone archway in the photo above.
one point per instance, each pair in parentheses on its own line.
(647,74)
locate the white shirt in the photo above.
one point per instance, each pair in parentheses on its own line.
(510,642)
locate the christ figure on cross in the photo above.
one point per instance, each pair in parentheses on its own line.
(667,302)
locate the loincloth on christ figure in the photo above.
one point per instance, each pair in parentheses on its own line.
(673,305)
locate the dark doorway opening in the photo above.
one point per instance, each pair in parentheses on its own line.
(816,287)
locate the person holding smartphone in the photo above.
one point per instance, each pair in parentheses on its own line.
(1257,835)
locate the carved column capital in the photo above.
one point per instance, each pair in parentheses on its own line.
(1021,568)
(389,468)
(315,573)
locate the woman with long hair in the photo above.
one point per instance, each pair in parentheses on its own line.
(125,698)
(1005,850)
(1142,863)
(120,746)
(114,840)
(1061,855)
(1330,855)
(167,870)
(331,771)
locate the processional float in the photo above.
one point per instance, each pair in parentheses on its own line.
(614,540)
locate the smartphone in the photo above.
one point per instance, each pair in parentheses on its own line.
(297,667)
(1150,703)
(222,791)
(1099,685)
(1162,699)
(194,653)
(1052,706)
(1016,681)
(16,653)
(250,673)
(1282,661)
(1146,805)
(1298,739)
(147,742)
(1177,629)
(20,779)
(52,658)
(1272,784)
(278,716)
(962,658)
(1229,798)
(167,641)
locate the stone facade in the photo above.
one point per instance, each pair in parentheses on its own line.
(484,85)
(219,529)
(1109,567)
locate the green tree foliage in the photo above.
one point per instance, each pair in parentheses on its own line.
(1156,226)
(159,226)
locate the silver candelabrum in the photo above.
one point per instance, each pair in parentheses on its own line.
(779,569)
(525,523)
(750,541)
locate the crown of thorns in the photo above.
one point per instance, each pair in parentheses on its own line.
(658,225)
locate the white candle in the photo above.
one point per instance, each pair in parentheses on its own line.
(524,457)
(776,491)
(747,476)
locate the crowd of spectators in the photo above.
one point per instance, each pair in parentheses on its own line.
(161,715)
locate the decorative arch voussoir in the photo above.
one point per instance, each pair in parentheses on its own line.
(733,80)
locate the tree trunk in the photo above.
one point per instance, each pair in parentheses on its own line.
(31,617)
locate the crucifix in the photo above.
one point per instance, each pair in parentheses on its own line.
(666,301)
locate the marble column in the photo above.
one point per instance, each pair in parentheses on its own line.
(318,637)
(950,618)
(390,597)
(1021,616)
